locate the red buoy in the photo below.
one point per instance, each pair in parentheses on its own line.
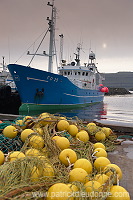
(104,89)
(100,84)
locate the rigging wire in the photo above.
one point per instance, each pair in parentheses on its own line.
(9,48)
(30,46)
(38,47)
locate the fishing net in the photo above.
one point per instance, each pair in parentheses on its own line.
(30,176)
(3,125)
(8,145)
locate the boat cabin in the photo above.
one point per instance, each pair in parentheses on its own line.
(82,76)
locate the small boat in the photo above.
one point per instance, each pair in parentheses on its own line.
(9,97)
(5,77)
(74,85)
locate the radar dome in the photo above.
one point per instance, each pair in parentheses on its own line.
(92,56)
(73,63)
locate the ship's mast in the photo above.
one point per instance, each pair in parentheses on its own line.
(52,35)
(77,59)
(3,64)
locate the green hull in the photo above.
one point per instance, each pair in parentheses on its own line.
(34,109)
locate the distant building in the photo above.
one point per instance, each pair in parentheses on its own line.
(119,80)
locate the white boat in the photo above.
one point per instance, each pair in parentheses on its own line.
(5,77)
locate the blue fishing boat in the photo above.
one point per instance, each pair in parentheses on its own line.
(74,85)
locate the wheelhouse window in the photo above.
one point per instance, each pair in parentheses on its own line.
(91,68)
(78,73)
(83,73)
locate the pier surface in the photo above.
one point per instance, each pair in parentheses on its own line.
(10,117)
(117,126)
(123,157)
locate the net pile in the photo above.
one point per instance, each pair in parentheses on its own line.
(7,144)
(30,176)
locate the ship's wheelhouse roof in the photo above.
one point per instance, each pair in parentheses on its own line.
(76,68)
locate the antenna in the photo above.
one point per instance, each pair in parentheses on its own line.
(77,59)
(50,4)
(89,50)
(3,62)
(61,47)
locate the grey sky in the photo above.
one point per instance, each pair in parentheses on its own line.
(104,25)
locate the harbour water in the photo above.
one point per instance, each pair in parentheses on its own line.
(115,108)
(119,108)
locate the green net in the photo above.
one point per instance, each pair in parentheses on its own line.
(8,145)
(4,124)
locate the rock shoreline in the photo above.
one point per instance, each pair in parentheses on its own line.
(117,91)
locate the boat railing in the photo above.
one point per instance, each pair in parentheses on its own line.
(83,84)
